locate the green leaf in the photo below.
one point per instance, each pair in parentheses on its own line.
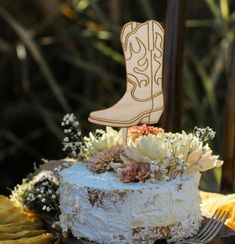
(224,9)
(109,52)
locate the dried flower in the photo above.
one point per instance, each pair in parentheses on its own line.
(102,161)
(134,172)
(175,154)
(101,140)
(135,132)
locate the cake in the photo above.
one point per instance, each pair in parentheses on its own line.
(138,183)
(142,191)
(100,208)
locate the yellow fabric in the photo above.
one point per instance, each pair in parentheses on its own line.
(213,201)
(20,227)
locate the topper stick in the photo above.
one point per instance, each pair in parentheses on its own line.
(124,135)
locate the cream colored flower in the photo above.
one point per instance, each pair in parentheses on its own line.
(146,149)
(171,148)
(107,139)
(206,162)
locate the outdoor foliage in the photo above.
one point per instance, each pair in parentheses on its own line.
(65,56)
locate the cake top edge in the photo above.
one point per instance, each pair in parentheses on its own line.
(79,175)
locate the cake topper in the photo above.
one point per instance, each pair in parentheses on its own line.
(142,44)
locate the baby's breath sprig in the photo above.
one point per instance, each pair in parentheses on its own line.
(39,193)
(43,196)
(73,143)
(204,134)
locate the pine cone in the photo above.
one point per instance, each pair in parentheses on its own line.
(101,161)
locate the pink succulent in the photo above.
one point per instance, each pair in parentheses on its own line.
(134,172)
(102,160)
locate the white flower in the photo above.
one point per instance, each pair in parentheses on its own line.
(48,209)
(206,162)
(43,200)
(76,123)
(165,178)
(166,161)
(66,116)
(108,138)
(163,170)
(66,139)
(145,149)
(44,207)
(53,196)
(152,167)
(186,151)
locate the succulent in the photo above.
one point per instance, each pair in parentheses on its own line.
(102,161)
(134,172)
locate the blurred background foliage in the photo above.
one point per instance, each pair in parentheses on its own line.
(65,56)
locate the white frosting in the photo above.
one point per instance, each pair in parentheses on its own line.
(101,208)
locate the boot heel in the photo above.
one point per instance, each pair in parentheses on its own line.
(153,117)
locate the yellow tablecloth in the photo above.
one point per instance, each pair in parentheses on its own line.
(213,201)
(20,227)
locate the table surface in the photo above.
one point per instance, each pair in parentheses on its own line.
(226,235)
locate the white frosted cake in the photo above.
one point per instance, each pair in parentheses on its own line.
(139,192)
(100,208)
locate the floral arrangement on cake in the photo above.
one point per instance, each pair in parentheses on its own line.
(150,155)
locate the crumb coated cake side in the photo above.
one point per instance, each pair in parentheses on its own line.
(101,208)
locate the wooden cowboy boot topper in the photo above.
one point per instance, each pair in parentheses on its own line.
(142,102)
